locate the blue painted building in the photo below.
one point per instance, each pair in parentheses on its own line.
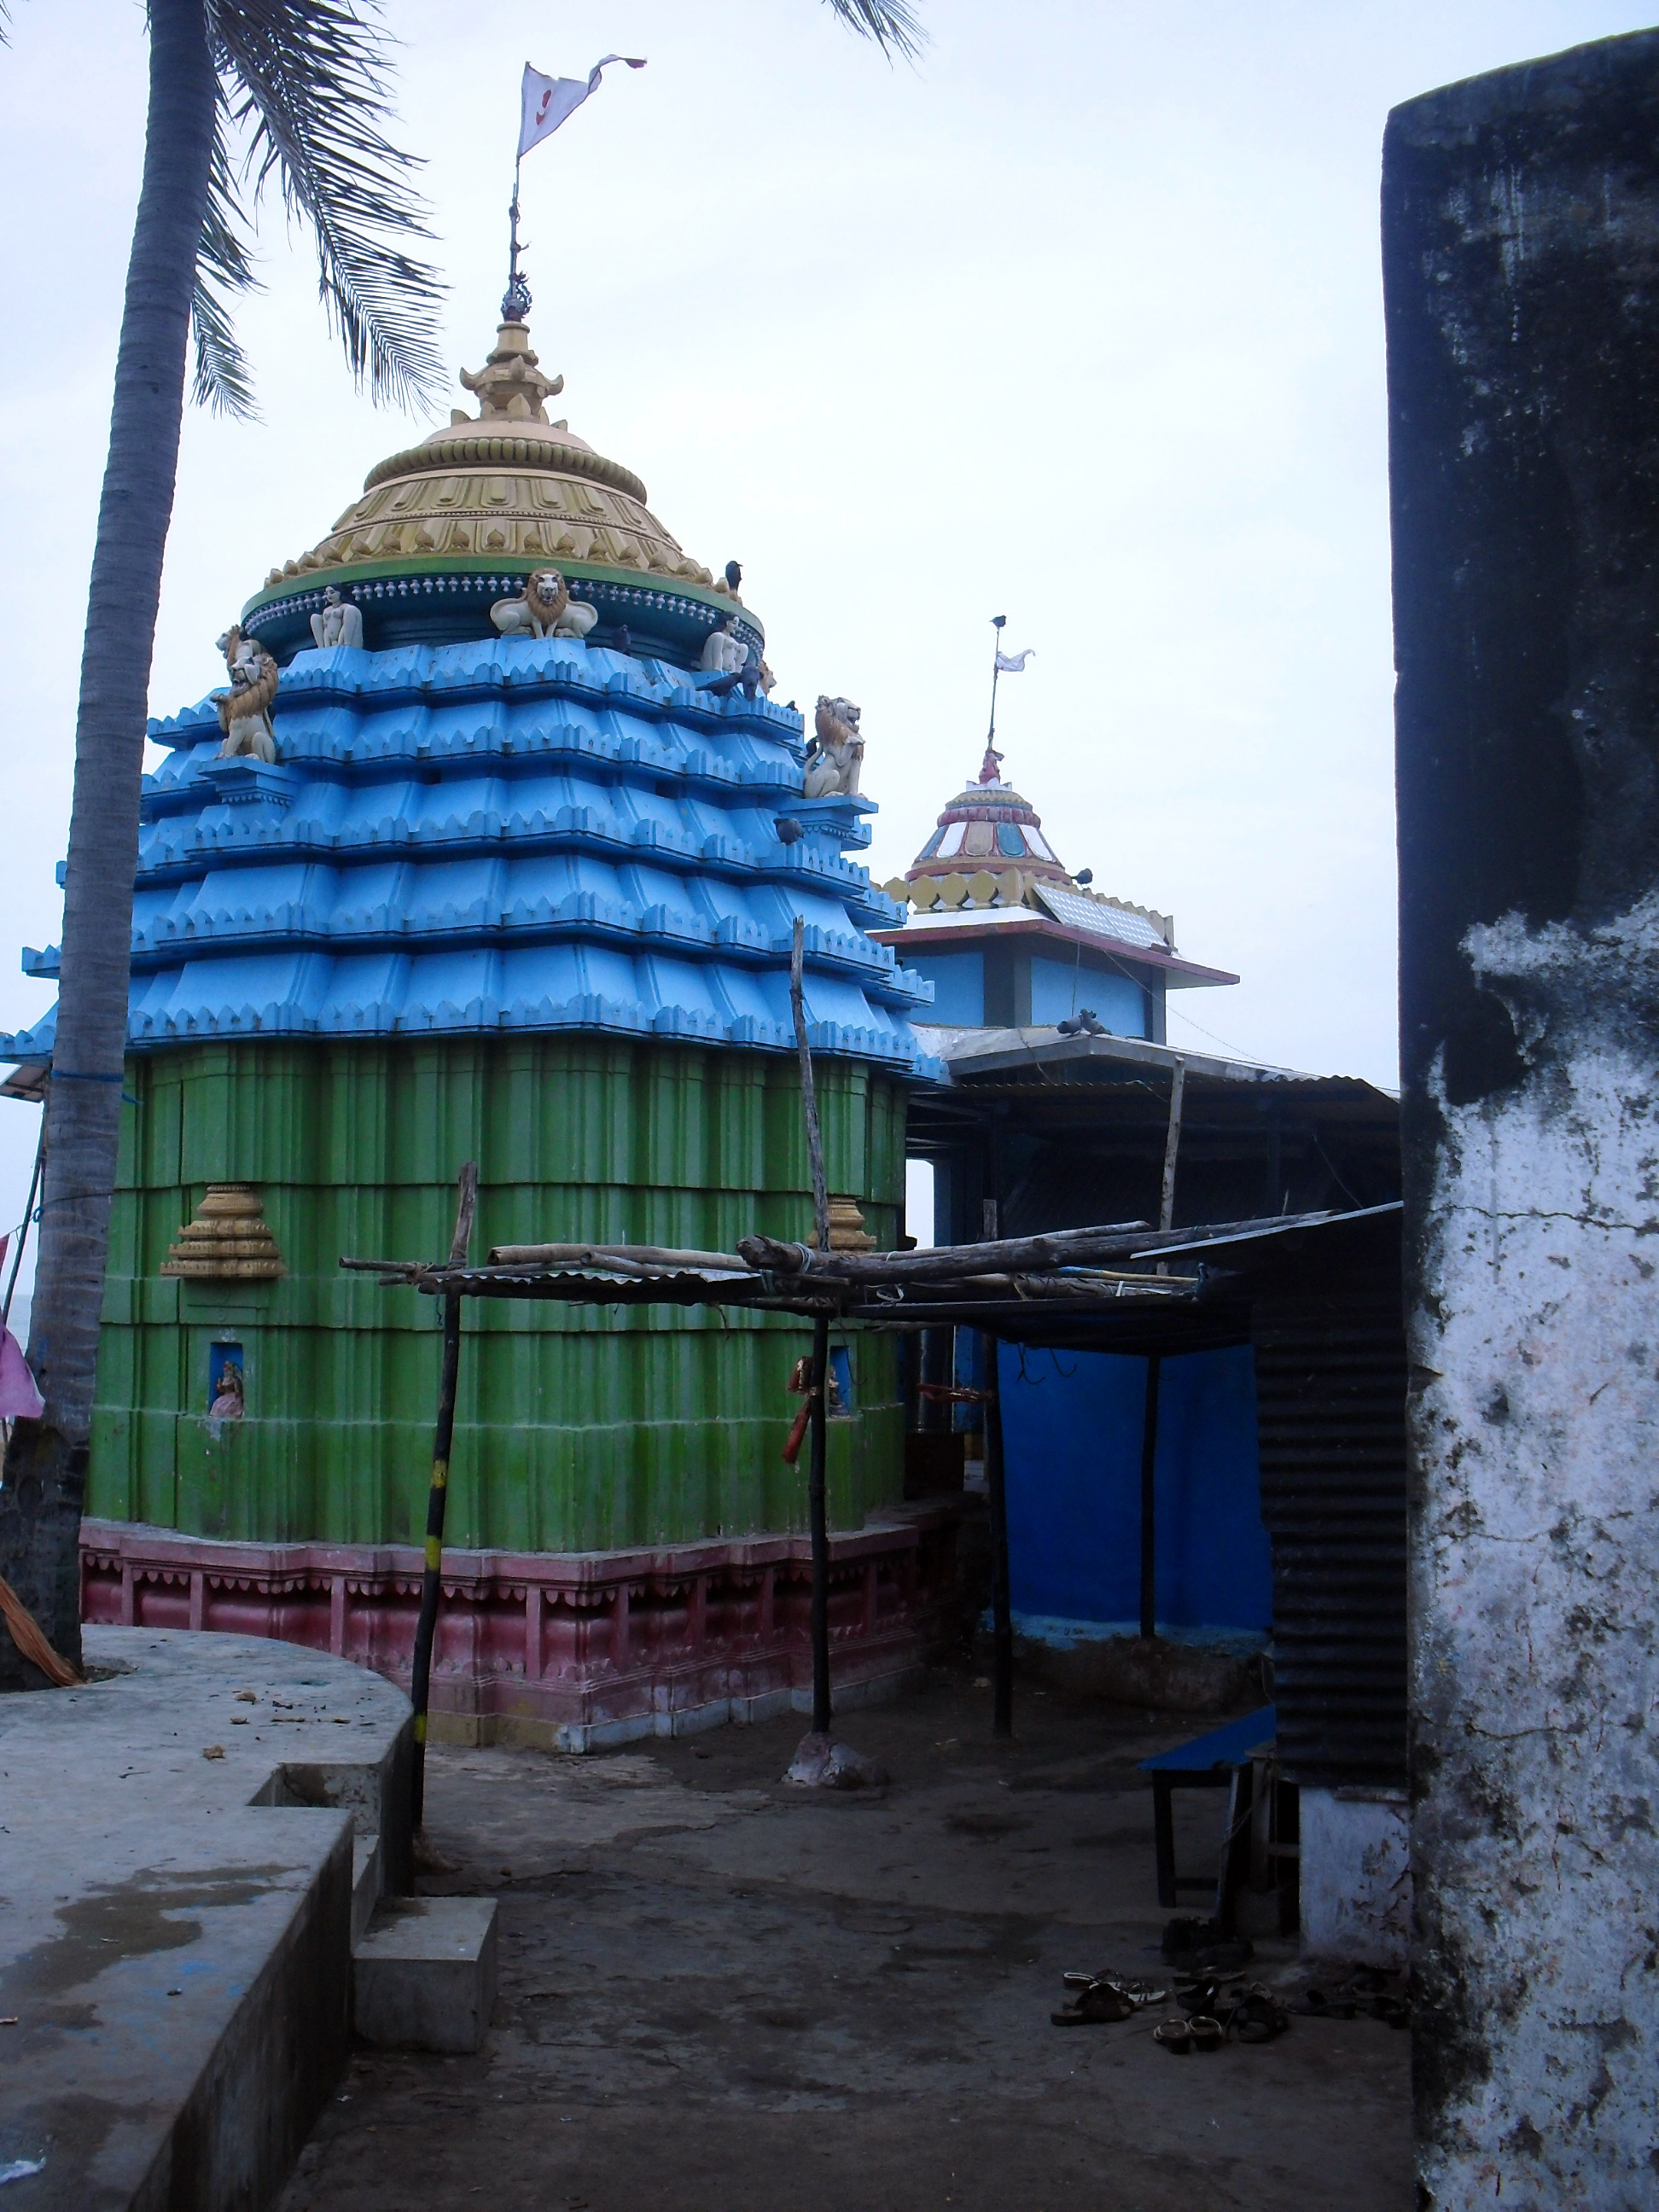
(1009,939)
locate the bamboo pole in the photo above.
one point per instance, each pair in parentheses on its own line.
(438,1494)
(1063,1248)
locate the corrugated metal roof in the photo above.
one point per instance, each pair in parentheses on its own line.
(499,836)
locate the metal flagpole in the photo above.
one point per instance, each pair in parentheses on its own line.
(515,302)
(998,623)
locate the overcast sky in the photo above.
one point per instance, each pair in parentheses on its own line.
(1077,321)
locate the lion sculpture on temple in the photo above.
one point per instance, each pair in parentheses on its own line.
(244,709)
(544,608)
(835,753)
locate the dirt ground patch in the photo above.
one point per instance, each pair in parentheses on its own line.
(719,1994)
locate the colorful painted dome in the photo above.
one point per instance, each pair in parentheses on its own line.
(988,826)
(447,526)
(465,832)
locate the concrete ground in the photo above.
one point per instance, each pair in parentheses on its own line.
(179,1840)
(721,1994)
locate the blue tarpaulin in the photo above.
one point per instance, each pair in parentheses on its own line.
(1072,1432)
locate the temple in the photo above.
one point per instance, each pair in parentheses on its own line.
(493,850)
(1010,940)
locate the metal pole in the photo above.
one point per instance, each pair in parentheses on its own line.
(997,621)
(1148,1500)
(820,1529)
(437,1495)
(996,1499)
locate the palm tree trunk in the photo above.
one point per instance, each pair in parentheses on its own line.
(46,1466)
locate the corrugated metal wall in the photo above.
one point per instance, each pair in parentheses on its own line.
(1331,1410)
(577,1428)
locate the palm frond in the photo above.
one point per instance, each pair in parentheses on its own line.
(308,82)
(224,268)
(895,26)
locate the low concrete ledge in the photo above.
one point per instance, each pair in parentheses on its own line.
(567,1651)
(176,1895)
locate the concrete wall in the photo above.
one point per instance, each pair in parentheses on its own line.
(1355,1876)
(1521,256)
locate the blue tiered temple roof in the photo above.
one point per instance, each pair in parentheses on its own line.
(511,834)
(466,832)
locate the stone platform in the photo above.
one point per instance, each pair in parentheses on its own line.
(179,1846)
(566,1652)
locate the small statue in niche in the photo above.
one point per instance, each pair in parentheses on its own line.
(835,753)
(229,1402)
(724,652)
(544,608)
(339,621)
(244,709)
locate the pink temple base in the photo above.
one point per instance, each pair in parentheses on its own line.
(567,1651)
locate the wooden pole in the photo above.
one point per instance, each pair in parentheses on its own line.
(809,1099)
(818,1511)
(818,1522)
(1149,1499)
(438,1494)
(1172,1145)
(996,1500)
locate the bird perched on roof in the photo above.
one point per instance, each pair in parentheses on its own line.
(620,640)
(1085,1023)
(734,575)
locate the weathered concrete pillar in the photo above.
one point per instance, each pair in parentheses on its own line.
(1521,250)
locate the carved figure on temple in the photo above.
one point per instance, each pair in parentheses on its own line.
(544,608)
(723,652)
(339,621)
(835,753)
(244,709)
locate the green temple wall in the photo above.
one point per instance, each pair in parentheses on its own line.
(577,1428)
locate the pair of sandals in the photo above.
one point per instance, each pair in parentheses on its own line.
(1368,1991)
(1098,2000)
(1246,2013)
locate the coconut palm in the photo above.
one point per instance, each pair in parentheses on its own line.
(244,94)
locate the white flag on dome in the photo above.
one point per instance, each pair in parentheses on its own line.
(1013,663)
(552,101)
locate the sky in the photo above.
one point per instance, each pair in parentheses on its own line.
(1076,320)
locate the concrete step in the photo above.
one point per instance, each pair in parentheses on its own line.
(367,1880)
(424,1974)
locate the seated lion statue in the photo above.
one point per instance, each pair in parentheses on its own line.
(835,753)
(544,608)
(244,709)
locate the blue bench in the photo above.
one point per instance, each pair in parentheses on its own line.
(1208,1762)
